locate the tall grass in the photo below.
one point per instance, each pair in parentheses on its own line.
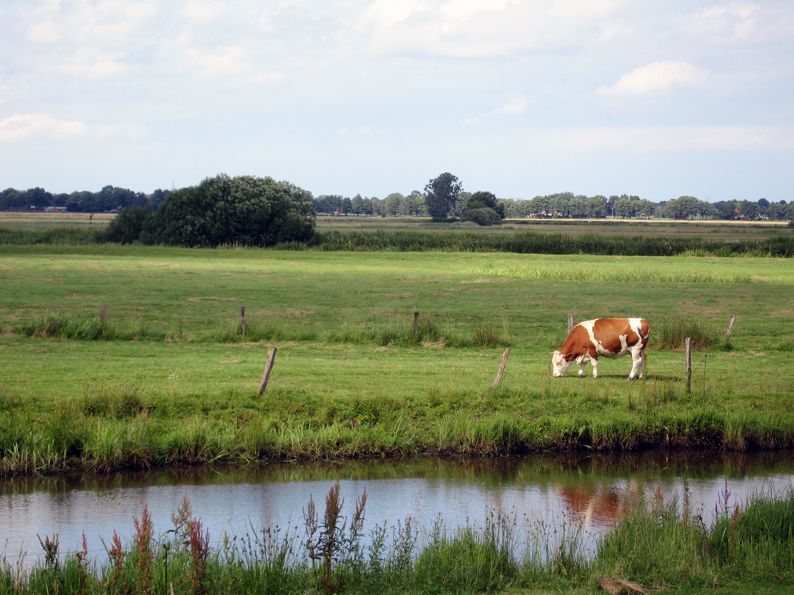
(86,326)
(124,428)
(655,546)
(672,334)
(53,236)
(538,243)
(455,241)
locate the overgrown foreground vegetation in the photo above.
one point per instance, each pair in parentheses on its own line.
(657,546)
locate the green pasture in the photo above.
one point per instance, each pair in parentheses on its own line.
(170,380)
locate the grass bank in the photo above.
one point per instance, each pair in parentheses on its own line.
(118,405)
(119,356)
(657,546)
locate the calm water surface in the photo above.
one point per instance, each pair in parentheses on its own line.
(551,494)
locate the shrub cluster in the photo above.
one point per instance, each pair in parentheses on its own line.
(245,211)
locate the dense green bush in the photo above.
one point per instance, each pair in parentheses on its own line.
(245,211)
(128,225)
(483,209)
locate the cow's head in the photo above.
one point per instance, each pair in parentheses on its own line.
(559,365)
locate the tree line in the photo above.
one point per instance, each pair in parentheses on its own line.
(420,204)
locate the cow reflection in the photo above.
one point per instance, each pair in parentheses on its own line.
(600,505)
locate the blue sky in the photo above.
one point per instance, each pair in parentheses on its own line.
(656,98)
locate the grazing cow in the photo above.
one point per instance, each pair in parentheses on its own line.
(603,336)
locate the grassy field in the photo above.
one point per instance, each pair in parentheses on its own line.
(150,368)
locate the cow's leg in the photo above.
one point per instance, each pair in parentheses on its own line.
(636,363)
(642,363)
(594,363)
(582,364)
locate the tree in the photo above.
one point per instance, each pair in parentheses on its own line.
(244,210)
(483,208)
(391,204)
(778,210)
(683,207)
(441,194)
(414,205)
(128,226)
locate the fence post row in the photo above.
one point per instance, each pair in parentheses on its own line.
(502,365)
(415,327)
(243,323)
(729,330)
(271,359)
(570,321)
(688,359)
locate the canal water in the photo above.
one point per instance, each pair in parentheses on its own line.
(552,496)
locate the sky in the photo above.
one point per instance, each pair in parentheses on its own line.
(658,98)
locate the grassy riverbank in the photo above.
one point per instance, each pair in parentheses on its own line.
(659,546)
(117,357)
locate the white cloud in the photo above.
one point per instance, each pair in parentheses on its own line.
(127,131)
(514,107)
(670,138)
(480,28)
(23,127)
(365,130)
(734,18)
(46,31)
(90,63)
(656,77)
(202,11)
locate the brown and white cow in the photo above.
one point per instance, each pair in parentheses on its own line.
(611,337)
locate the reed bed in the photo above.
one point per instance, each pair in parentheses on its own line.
(657,546)
(538,243)
(456,241)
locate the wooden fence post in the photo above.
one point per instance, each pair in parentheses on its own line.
(415,327)
(502,366)
(729,330)
(243,323)
(570,321)
(688,360)
(271,359)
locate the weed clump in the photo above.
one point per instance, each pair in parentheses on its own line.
(672,334)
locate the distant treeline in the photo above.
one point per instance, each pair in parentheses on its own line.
(110,198)
(561,205)
(565,205)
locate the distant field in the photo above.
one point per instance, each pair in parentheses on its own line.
(41,221)
(710,230)
(173,382)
